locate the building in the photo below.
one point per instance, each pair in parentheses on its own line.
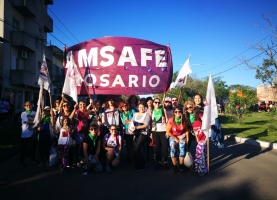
(24,25)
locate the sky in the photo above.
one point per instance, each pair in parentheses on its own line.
(216,33)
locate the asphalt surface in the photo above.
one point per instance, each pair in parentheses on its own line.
(238,171)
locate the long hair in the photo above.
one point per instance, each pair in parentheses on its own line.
(182,117)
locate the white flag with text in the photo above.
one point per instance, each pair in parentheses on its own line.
(210,109)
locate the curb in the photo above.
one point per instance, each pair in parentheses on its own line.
(263,144)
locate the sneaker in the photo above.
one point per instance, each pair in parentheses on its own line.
(41,164)
(181,168)
(165,166)
(108,169)
(175,170)
(220,145)
(85,170)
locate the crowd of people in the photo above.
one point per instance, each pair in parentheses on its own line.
(93,136)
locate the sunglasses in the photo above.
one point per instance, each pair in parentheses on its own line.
(65,105)
(167,102)
(177,111)
(93,129)
(113,129)
(82,104)
(189,107)
(157,102)
(125,106)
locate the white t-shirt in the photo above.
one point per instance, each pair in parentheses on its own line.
(112,117)
(27,130)
(64,137)
(112,142)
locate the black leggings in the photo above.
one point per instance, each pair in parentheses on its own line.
(161,143)
(139,160)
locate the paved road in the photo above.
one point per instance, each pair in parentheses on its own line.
(239,171)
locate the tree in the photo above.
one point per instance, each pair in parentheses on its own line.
(268,71)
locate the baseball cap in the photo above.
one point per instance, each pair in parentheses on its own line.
(46,108)
(167,99)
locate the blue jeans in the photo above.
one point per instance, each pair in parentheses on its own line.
(217,133)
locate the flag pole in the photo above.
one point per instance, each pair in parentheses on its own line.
(84,83)
(208,147)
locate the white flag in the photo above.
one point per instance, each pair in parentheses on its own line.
(40,106)
(210,109)
(181,79)
(73,78)
(44,78)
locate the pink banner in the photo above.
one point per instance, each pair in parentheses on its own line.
(122,65)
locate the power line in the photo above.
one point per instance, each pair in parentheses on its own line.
(244,62)
(234,56)
(63,25)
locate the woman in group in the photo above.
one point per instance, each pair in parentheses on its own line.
(150,142)
(126,116)
(159,120)
(44,137)
(195,117)
(94,110)
(64,131)
(177,130)
(133,102)
(140,127)
(111,116)
(91,149)
(112,143)
(216,129)
(82,122)
(27,118)
(66,113)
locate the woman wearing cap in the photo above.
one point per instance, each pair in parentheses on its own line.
(168,106)
(195,118)
(44,137)
(159,120)
(177,129)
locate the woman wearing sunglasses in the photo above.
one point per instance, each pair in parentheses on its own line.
(112,143)
(159,120)
(195,118)
(126,116)
(177,129)
(91,148)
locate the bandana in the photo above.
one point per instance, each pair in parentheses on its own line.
(28,112)
(157,114)
(45,119)
(191,118)
(93,138)
(177,120)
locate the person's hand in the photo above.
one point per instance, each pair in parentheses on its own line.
(176,140)
(90,101)
(76,106)
(127,121)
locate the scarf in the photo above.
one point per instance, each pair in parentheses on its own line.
(45,119)
(125,116)
(177,121)
(28,112)
(158,114)
(191,118)
(93,138)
